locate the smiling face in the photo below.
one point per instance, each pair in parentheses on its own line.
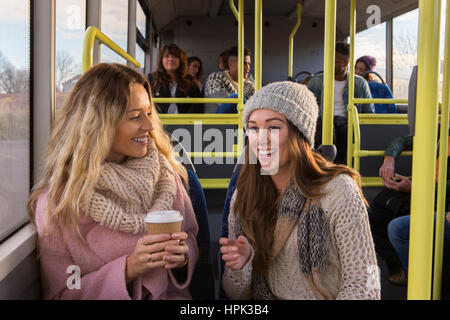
(132,134)
(170,62)
(268,139)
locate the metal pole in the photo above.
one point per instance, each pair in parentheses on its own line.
(258,44)
(328,76)
(351,86)
(291,39)
(424,152)
(443,152)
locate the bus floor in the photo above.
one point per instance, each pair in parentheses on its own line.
(215,199)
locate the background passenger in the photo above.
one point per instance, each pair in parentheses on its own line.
(171,79)
(298,226)
(195,69)
(108,163)
(340,100)
(378,90)
(223,60)
(223,84)
(394,202)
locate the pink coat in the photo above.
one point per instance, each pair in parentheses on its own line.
(102,262)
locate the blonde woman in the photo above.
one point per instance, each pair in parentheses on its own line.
(298,225)
(108,163)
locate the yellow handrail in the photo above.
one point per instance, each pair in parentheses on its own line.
(233,9)
(351,91)
(216,119)
(291,39)
(328,77)
(424,152)
(443,151)
(258,44)
(90,35)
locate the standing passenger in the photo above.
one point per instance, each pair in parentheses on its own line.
(108,163)
(298,225)
(171,80)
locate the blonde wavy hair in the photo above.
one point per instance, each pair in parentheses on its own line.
(81,140)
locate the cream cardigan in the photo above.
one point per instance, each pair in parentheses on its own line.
(352,271)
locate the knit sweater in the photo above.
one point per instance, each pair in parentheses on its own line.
(221,81)
(102,262)
(352,271)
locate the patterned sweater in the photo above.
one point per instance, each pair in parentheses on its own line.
(352,271)
(221,81)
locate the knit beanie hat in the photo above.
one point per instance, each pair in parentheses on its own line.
(291,99)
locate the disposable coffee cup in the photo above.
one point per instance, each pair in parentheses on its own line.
(158,222)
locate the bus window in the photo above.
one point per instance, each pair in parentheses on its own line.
(115,26)
(14,114)
(70,26)
(372,42)
(404,51)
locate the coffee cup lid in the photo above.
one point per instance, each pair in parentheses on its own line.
(163,216)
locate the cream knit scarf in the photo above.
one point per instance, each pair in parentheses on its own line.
(125,192)
(296,211)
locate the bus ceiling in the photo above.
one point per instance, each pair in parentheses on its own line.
(164,12)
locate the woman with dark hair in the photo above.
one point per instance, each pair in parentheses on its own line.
(195,69)
(171,80)
(298,225)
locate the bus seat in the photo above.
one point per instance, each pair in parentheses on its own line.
(226,212)
(381,91)
(202,283)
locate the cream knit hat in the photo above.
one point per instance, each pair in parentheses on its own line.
(291,99)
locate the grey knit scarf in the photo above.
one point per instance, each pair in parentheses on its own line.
(311,236)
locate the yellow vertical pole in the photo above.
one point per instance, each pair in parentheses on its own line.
(240,106)
(328,74)
(258,44)
(443,151)
(424,152)
(351,82)
(291,39)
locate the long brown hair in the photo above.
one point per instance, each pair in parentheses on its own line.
(82,137)
(161,79)
(257,199)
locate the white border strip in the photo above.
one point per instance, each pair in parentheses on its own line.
(14,250)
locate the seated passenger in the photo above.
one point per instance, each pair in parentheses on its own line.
(393,201)
(223,60)
(171,79)
(340,100)
(298,226)
(377,89)
(195,69)
(223,84)
(389,216)
(108,164)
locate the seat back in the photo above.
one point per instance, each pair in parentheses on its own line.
(202,282)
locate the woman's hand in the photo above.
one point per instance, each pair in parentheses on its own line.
(387,170)
(176,254)
(235,253)
(148,254)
